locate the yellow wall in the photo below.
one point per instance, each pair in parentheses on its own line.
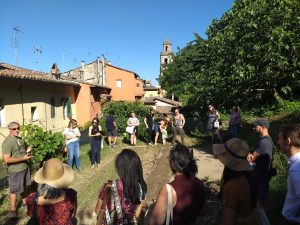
(34,94)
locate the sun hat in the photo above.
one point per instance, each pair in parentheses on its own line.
(233,154)
(262,122)
(54,173)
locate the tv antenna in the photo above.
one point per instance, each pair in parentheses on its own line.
(16,29)
(37,51)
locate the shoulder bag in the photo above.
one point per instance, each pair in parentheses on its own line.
(34,219)
(107,188)
(169,216)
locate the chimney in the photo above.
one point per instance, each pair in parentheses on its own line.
(109,62)
(82,65)
(103,72)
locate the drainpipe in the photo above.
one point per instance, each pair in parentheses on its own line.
(22,103)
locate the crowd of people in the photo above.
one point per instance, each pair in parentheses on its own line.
(244,190)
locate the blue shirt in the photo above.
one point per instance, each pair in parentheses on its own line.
(292,199)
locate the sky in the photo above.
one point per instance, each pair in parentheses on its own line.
(34,34)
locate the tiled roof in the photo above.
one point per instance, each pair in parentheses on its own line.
(14,72)
(150,88)
(150,100)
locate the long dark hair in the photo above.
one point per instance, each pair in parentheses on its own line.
(181,159)
(229,174)
(129,168)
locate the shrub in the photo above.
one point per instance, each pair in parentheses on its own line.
(122,111)
(45,144)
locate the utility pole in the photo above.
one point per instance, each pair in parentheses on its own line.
(15,45)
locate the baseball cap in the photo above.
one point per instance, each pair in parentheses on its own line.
(262,122)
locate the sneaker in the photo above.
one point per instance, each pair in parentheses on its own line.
(113,145)
(150,144)
(97,164)
(93,166)
(79,170)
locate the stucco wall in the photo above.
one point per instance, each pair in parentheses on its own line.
(129,88)
(19,96)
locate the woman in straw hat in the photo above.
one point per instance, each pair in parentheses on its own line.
(238,188)
(56,204)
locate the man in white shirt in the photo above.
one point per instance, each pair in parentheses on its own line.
(289,141)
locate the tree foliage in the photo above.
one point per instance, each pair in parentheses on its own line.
(251,57)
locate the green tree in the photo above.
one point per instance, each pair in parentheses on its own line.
(250,57)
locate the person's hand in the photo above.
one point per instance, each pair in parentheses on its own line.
(29,149)
(27,157)
(250,157)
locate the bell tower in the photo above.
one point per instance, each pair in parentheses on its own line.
(166,56)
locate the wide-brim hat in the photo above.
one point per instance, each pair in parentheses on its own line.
(55,173)
(233,154)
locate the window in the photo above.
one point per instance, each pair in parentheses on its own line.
(67,109)
(52,103)
(119,83)
(34,115)
(166,61)
(137,84)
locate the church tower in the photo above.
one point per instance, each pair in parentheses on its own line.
(166,56)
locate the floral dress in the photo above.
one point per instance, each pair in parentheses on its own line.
(127,207)
(59,213)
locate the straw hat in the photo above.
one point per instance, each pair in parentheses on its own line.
(55,173)
(233,154)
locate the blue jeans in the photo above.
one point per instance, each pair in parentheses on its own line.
(95,150)
(74,150)
(234,130)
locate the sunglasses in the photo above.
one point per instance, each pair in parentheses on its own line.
(16,128)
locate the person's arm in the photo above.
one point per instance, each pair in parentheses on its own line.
(145,121)
(115,124)
(159,213)
(228,216)
(182,121)
(10,160)
(137,122)
(90,132)
(77,132)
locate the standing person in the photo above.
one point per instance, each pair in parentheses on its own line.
(134,122)
(289,142)
(238,190)
(56,204)
(112,131)
(235,121)
(213,116)
(150,125)
(128,190)
(16,156)
(72,135)
(95,140)
(178,122)
(163,126)
(188,192)
(261,158)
